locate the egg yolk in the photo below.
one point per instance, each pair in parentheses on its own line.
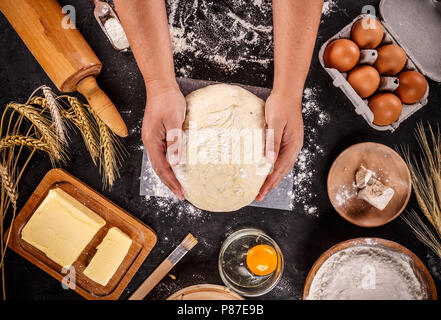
(262,260)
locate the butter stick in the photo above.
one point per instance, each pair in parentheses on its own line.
(109,256)
(61,227)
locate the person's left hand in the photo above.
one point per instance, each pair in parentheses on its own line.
(283,114)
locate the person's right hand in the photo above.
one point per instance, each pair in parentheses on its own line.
(165,111)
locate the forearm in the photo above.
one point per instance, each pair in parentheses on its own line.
(145,23)
(295,30)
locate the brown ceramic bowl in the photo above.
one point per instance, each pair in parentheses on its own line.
(417,265)
(390,169)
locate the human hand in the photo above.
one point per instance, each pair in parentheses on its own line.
(283,114)
(165,111)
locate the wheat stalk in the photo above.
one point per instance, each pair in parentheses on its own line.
(43,126)
(17,140)
(107,163)
(422,231)
(55,108)
(8,185)
(84,123)
(111,152)
(425,172)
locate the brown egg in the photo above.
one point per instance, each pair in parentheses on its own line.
(365,80)
(367,34)
(391,59)
(341,54)
(386,108)
(412,87)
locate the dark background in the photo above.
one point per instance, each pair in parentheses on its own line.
(302,237)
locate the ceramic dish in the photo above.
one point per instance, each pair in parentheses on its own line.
(390,169)
(417,265)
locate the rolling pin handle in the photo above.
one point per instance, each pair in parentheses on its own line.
(102,105)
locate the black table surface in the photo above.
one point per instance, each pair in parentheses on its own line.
(302,237)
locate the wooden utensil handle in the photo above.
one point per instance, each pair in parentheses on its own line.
(102,105)
(153,279)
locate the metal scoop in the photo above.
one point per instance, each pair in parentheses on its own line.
(103,12)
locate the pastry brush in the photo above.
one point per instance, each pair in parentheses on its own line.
(164,268)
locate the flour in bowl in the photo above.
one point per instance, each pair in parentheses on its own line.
(366,273)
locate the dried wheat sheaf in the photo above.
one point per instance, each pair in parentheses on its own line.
(425,171)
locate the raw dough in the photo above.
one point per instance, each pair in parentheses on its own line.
(211,183)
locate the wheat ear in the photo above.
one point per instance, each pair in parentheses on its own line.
(84,123)
(55,110)
(111,152)
(8,185)
(422,231)
(43,126)
(17,140)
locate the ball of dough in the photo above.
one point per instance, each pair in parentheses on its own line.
(223,165)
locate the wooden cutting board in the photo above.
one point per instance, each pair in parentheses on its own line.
(143,237)
(205,292)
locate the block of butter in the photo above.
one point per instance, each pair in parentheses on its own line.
(109,256)
(61,227)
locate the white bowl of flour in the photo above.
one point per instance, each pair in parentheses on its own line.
(369,269)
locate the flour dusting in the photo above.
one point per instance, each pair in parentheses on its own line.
(226,35)
(329,7)
(305,170)
(345,194)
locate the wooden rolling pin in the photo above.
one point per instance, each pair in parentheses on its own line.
(63,54)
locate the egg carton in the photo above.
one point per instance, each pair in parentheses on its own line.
(388,83)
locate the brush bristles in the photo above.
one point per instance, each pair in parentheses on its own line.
(189,242)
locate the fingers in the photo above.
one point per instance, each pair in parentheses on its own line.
(284,163)
(156,152)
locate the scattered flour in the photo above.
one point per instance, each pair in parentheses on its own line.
(305,170)
(345,194)
(224,34)
(165,202)
(434,263)
(329,7)
(366,273)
